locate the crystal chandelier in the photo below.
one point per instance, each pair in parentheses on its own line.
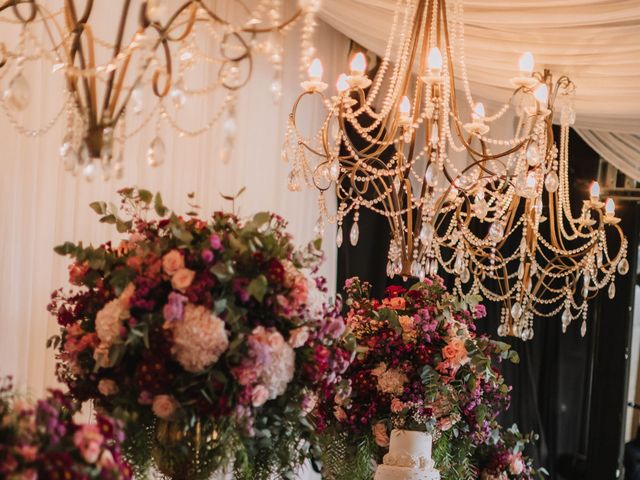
(387,145)
(153,53)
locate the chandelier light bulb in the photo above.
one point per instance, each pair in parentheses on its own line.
(526,64)
(343,83)
(610,207)
(315,70)
(542,94)
(434,61)
(358,64)
(595,191)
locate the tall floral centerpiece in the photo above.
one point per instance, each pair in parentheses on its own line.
(41,440)
(420,366)
(211,339)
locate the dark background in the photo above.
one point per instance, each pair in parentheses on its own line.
(571,390)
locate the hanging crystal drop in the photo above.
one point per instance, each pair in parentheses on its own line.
(496,232)
(422,275)
(334,170)
(465,275)
(339,237)
(18,93)
(430,175)
(293,184)
(276,89)
(89,171)
(157,10)
(178,96)
(516,310)
(459,264)
(533,155)
(551,181)
(434,138)
(137,100)
(354,234)
(481,208)
(426,232)
(434,267)
(583,328)
(538,206)
(396,184)
(534,268)
(415,268)
(566,319)
(67,153)
(599,258)
(156,152)
(586,279)
(390,269)
(612,290)
(520,271)
(502,330)
(623,266)
(585,292)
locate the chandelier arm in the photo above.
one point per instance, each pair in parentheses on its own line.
(116,50)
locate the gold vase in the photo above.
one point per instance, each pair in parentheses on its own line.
(177,449)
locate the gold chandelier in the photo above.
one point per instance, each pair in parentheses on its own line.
(154,47)
(387,145)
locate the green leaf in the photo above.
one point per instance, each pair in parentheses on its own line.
(258,287)
(110,219)
(123,226)
(261,218)
(181,234)
(99,207)
(161,210)
(145,196)
(67,248)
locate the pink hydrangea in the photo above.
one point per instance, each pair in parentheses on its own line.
(88,440)
(109,321)
(199,339)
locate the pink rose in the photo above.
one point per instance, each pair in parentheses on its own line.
(89,440)
(245,376)
(397,303)
(455,352)
(445,423)
(380,434)
(145,398)
(259,395)
(28,452)
(107,387)
(516,465)
(172,262)
(164,406)
(299,337)
(182,279)
(340,414)
(396,405)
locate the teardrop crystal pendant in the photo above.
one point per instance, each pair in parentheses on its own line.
(426,232)
(354,234)
(18,93)
(465,276)
(156,152)
(67,154)
(293,184)
(551,181)
(612,290)
(339,237)
(396,184)
(178,96)
(416,268)
(521,271)
(623,266)
(566,319)
(516,310)
(137,101)
(583,328)
(334,170)
(89,171)
(533,155)
(118,167)
(430,175)
(496,232)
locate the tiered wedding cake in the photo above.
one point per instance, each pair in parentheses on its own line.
(409,458)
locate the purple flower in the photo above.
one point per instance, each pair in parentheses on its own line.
(207,256)
(172,311)
(215,242)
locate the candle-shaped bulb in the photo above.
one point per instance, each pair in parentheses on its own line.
(358,64)
(542,94)
(595,190)
(610,207)
(526,63)
(343,83)
(478,111)
(434,60)
(315,70)
(405,106)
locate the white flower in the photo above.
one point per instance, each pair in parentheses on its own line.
(109,321)
(199,339)
(278,371)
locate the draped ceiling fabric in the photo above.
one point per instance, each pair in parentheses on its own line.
(595,42)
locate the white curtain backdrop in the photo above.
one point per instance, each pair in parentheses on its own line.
(41,205)
(595,42)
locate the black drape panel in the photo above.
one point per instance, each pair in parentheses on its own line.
(553,383)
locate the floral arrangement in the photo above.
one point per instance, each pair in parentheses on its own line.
(212,339)
(420,366)
(41,440)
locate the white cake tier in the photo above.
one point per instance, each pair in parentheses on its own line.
(389,472)
(409,458)
(411,444)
